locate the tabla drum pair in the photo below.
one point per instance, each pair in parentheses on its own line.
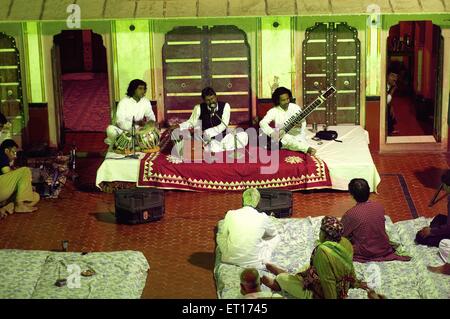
(146,140)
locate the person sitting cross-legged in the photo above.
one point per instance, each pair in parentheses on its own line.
(247,237)
(15,184)
(364,226)
(330,273)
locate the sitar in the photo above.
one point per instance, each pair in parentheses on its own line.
(301,115)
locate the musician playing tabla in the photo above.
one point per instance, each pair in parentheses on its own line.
(134,104)
(280,113)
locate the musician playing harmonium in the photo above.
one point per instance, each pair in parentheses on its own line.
(133,107)
(214,117)
(280,113)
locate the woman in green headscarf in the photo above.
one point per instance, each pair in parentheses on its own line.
(330,274)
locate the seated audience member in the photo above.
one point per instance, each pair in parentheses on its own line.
(444,252)
(251,286)
(330,273)
(440,225)
(247,237)
(364,226)
(15,184)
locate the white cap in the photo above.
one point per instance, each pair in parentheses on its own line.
(444,250)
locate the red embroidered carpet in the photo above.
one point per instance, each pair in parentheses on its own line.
(296,171)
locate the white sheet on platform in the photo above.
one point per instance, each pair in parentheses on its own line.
(116,168)
(349,159)
(346,160)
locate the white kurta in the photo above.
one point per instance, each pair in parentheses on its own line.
(126,110)
(240,237)
(228,142)
(295,140)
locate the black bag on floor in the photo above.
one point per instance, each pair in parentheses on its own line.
(327,135)
(275,202)
(138,206)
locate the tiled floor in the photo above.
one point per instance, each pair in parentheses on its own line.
(180,247)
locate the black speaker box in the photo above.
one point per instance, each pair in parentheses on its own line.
(138,205)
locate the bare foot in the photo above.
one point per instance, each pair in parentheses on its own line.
(9,208)
(444,269)
(271,283)
(274,269)
(24,209)
(6,210)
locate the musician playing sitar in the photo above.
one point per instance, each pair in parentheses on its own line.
(133,106)
(280,113)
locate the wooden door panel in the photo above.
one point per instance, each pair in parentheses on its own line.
(234,85)
(8,75)
(183,34)
(347,80)
(235,101)
(345,66)
(227,32)
(345,48)
(184,85)
(8,58)
(318,48)
(316,66)
(184,52)
(184,69)
(345,116)
(345,100)
(345,83)
(317,116)
(232,67)
(228,50)
(315,69)
(182,102)
(316,83)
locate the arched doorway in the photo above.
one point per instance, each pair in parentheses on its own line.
(81,83)
(414,80)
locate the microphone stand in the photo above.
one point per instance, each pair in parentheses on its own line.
(235,139)
(133,142)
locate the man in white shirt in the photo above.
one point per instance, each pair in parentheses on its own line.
(283,110)
(134,105)
(214,117)
(247,237)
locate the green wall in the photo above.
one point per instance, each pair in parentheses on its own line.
(15,30)
(132,54)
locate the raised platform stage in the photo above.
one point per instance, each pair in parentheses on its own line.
(334,165)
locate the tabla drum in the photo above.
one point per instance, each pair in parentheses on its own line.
(147,138)
(123,143)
